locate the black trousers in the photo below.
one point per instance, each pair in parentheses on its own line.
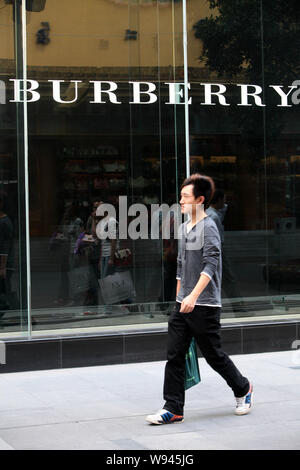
(204,324)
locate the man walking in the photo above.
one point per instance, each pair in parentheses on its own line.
(198,305)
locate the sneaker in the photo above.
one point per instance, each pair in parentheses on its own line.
(244,404)
(164,417)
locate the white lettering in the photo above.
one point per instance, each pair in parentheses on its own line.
(2,352)
(176,93)
(17,90)
(296,354)
(141,221)
(283,96)
(98,92)
(145,93)
(57,91)
(137,92)
(123,217)
(158,213)
(245,93)
(106,227)
(295,96)
(208,94)
(123,460)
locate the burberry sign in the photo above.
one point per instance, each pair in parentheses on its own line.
(146,93)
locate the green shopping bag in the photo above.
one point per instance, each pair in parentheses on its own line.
(192,373)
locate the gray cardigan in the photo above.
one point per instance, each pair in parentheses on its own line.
(199,251)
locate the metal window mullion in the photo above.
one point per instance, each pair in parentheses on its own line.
(186,81)
(26,169)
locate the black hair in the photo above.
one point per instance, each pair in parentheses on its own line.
(202,186)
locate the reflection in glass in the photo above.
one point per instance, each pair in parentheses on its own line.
(101,131)
(250,150)
(13,278)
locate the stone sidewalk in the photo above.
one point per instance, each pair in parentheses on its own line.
(105,407)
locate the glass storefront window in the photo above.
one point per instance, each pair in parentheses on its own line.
(101,132)
(14,280)
(243,134)
(103,126)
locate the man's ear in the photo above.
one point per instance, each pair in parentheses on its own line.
(200,200)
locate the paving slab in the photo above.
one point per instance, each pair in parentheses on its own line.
(104,407)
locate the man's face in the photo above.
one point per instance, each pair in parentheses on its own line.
(188,202)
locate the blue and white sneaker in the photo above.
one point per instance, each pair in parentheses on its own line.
(164,417)
(243,404)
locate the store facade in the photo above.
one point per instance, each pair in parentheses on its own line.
(117,102)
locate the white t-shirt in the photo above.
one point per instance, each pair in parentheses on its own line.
(107,230)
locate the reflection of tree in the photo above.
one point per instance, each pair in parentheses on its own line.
(232,40)
(256,41)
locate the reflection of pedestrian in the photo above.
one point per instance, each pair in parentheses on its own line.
(170,259)
(93,257)
(107,232)
(91,222)
(6,259)
(70,228)
(198,303)
(166,243)
(217,211)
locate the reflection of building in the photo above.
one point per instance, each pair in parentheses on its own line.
(88,151)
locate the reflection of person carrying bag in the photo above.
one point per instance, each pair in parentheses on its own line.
(117,287)
(80,278)
(85,240)
(85,245)
(57,242)
(123,257)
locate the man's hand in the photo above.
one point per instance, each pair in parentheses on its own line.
(188,304)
